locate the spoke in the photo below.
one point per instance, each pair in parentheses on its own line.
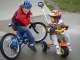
(6,47)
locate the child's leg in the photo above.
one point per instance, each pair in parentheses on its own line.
(55,42)
(28,35)
(31,39)
(67,38)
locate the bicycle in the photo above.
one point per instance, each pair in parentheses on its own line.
(61,40)
(11,43)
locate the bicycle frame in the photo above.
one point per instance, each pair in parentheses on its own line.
(61,39)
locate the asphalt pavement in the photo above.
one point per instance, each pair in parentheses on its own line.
(27,54)
(71,19)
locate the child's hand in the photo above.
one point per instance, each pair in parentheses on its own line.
(52,25)
(66,27)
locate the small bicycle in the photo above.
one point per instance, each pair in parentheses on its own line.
(61,41)
(11,44)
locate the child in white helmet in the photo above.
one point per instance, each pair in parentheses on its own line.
(55,20)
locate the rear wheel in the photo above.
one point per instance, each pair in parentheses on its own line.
(39,30)
(6,50)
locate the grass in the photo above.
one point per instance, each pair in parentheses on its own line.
(68,5)
(49,5)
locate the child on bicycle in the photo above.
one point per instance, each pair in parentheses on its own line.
(56,20)
(21,20)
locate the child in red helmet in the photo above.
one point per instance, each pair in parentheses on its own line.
(21,20)
(56,20)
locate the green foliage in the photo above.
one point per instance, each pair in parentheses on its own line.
(48,5)
(69,5)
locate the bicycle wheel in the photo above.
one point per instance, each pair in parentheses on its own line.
(65,52)
(44,46)
(40,31)
(6,50)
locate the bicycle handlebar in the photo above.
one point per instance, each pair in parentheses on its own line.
(34,27)
(59,30)
(10,24)
(31,26)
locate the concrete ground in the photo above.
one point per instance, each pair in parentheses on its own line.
(71,19)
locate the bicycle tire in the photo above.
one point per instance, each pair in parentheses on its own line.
(43,25)
(2,50)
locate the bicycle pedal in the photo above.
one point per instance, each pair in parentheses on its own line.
(25,41)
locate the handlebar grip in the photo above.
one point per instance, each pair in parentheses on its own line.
(66,27)
(10,24)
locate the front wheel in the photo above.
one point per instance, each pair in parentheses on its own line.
(6,50)
(44,46)
(65,52)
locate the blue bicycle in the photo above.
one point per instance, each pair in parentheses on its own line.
(11,43)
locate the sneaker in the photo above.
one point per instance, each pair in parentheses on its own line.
(32,47)
(58,51)
(69,46)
